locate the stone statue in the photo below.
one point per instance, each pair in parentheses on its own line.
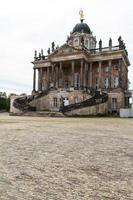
(53,46)
(110,42)
(42,52)
(35,55)
(100,44)
(39,55)
(119,40)
(121,43)
(48,51)
(81,13)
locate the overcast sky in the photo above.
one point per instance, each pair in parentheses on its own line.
(26,25)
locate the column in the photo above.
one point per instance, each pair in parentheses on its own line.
(52,75)
(40,79)
(57,76)
(81,73)
(72,75)
(48,78)
(34,79)
(85,74)
(110,73)
(100,74)
(90,77)
(60,75)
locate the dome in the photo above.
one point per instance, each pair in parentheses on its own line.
(81,27)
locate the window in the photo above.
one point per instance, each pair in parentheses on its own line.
(116,81)
(76,80)
(106,69)
(76,42)
(106,82)
(86,43)
(114,103)
(55,102)
(97,82)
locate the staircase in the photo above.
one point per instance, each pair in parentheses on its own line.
(97,98)
(22,103)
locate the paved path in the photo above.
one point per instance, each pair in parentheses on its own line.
(66,158)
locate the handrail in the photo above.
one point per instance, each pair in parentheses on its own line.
(22,103)
(96,99)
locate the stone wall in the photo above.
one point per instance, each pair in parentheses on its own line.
(14,110)
(45,102)
(119,95)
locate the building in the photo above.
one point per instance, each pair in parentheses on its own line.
(72,73)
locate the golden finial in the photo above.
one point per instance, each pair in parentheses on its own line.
(81,13)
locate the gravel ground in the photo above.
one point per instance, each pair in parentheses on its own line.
(66,158)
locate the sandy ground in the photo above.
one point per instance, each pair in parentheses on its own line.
(66,158)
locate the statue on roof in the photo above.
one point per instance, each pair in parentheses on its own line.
(48,51)
(81,13)
(110,42)
(100,44)
(53,46)
(35,54)
(121,43)
(41,52)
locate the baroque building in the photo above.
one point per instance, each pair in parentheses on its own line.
(79,72)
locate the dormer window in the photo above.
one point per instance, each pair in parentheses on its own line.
(76,42)
(86,43)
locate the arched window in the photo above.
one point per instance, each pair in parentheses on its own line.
(76,42)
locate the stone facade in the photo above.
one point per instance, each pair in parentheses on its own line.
(54,99)
(76,68)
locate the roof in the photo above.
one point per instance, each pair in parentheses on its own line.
(81,27)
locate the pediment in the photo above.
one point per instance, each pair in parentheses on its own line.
(65,50)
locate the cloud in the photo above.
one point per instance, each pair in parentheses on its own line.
(12,86)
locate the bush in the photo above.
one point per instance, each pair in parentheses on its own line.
(4,102)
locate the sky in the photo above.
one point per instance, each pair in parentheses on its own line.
(29,25)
